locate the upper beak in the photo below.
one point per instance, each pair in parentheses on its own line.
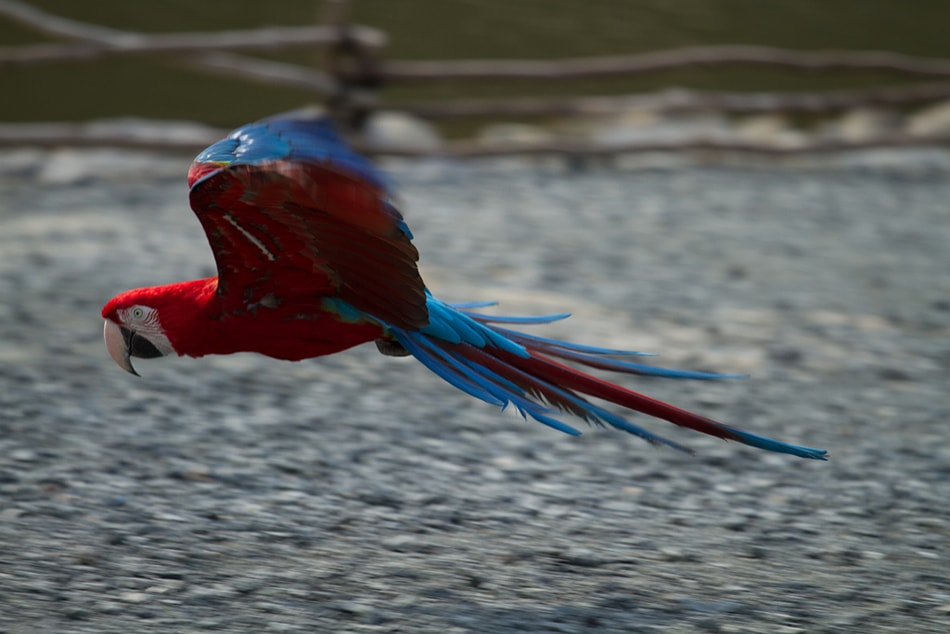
(123,344)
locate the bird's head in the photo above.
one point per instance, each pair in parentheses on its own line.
(134,328)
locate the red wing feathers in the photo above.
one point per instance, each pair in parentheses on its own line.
(294,228)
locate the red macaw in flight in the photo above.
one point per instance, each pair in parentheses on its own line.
(313,258)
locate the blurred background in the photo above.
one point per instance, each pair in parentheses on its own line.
(357,493)
(175,87)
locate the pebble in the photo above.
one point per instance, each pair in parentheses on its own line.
(23,455)
(134,597)
(934,120)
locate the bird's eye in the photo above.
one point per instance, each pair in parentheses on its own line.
(138,312)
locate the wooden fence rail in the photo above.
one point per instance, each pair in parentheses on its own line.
(682,101)
(644,63)
(263,39)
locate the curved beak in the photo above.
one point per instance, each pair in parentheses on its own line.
(123,344)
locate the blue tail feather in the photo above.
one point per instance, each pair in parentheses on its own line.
(770,444)
(616,365)
(467,305)
(502,366)
(516,319)
(475,380)
(516,335)
(589,411)
(447,371)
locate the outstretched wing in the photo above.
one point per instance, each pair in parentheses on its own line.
(292,212)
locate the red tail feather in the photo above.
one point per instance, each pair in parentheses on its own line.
(560,374)
(538,372)
(555,372)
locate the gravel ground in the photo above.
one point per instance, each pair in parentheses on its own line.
(359,493)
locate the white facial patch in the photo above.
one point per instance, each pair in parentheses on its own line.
(143,320)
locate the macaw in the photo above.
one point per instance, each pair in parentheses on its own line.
(313,258)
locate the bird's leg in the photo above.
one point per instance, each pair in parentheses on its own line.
(391,348)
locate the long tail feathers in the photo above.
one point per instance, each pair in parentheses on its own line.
(502,367)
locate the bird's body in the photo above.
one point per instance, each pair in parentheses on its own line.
(314,258)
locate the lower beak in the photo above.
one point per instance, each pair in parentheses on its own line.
(123,344)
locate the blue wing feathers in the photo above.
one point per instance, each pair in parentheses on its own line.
(311,140)
(285,138)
